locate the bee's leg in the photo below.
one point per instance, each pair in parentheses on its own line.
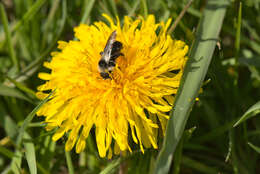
(105,75)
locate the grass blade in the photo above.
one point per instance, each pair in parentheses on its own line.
(178,19)
(113,4)
(29,14)
(42,169)
(7,123)
(134,8)
(88,6)
(30,154)
(16,162)
(257,149)
(33,66)
(8,38)
(217,131)
(11,129)
(12,92)
(178,154)
(239,21)
(112,166)
(252,111)
(69,162)
(17,158)
(202,168)
(145,8)
(29,119)
(194,74)
(49,22)
(6,152)
(21,86)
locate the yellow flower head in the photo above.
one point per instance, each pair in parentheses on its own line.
(134,100)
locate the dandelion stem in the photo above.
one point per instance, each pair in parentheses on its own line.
(69,162)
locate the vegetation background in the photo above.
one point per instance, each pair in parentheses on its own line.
(210,144)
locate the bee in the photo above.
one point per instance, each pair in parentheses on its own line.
(109,55)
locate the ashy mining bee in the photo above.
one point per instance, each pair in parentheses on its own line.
(108,56)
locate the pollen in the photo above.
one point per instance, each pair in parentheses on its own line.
(125,111)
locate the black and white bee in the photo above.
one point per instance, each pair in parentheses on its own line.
(109,55)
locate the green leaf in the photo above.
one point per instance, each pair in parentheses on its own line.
(198,166)
(252,111)
(48,151)
(11,130)
(194,74)
(12,92)
(257,149)
(33,66)
(42,169)
(7,123)
(6,152)
(218,131)
(21,86)
(8,37)
(30,154)
(17,159)
(29,14)
(49,22)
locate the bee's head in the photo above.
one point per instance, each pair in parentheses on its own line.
(102,64)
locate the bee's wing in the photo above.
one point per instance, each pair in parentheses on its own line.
(109,44)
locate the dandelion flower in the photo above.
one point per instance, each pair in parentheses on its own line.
(130,106)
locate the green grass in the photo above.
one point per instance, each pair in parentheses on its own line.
(217,134)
